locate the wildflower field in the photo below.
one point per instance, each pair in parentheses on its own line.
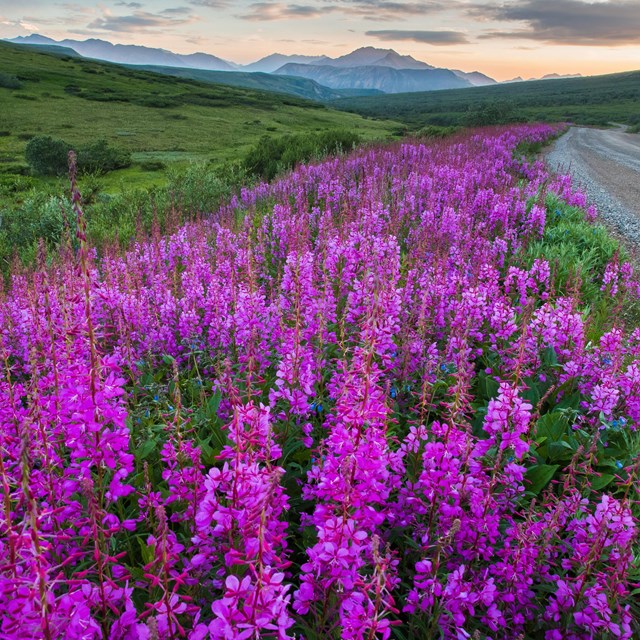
(392,395)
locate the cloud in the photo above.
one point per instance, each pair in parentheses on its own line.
(176,11)
(269,11)
(379,10)
(77,8)
(211,4)
(130,5)
(571,22)
(18,24)
(440,38)
(138,20)
(389,10)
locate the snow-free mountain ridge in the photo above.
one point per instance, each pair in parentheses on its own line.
(365,68)
(132,54)
(386,79)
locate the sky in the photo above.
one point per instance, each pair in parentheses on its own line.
(505,39)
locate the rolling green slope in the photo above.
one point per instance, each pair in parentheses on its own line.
(291,85)
(156,117)
(595,100)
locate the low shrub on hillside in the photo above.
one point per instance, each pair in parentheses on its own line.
(489,113)
(99,157)
(8,81)
(49,156)
(271,156)
(434,131)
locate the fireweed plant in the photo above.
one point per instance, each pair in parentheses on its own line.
(369,400)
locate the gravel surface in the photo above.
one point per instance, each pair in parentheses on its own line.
(605,164)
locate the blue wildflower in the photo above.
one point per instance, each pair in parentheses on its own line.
(619,464)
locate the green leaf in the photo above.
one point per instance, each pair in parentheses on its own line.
(552,425)
(602,481)
(212,405)
(539,476)
(532,395)
(560,450)
(147,551)
(145,449)
(168,359)
(488,386)
(569,402)
(550,357)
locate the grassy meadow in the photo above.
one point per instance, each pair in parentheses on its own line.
(160,119)
(595,100)
(188,142)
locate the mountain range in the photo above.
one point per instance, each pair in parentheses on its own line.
(368,69)
(132,54)
(385,79)
(549,76)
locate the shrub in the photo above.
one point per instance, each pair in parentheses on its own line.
(200,188)
(488,113)
(40,217)
(9,82)
(152,165)
(270,156)
(99,157)
(433,131)
(47,156)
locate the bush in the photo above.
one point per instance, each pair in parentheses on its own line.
(153,165)
(47,156)
(433,131)
(9,82)
(488,113)
(40,217)
(274,155)
(202,189)
(99,157)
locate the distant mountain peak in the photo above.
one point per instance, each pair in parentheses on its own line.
(383,78)
(34,38)
(364,69)
(274,61)
(375,57)
(131,54)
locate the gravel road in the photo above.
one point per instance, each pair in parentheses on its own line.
(605,164)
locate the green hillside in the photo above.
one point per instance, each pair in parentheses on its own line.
(291,85)
(161,118)
(595,100)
